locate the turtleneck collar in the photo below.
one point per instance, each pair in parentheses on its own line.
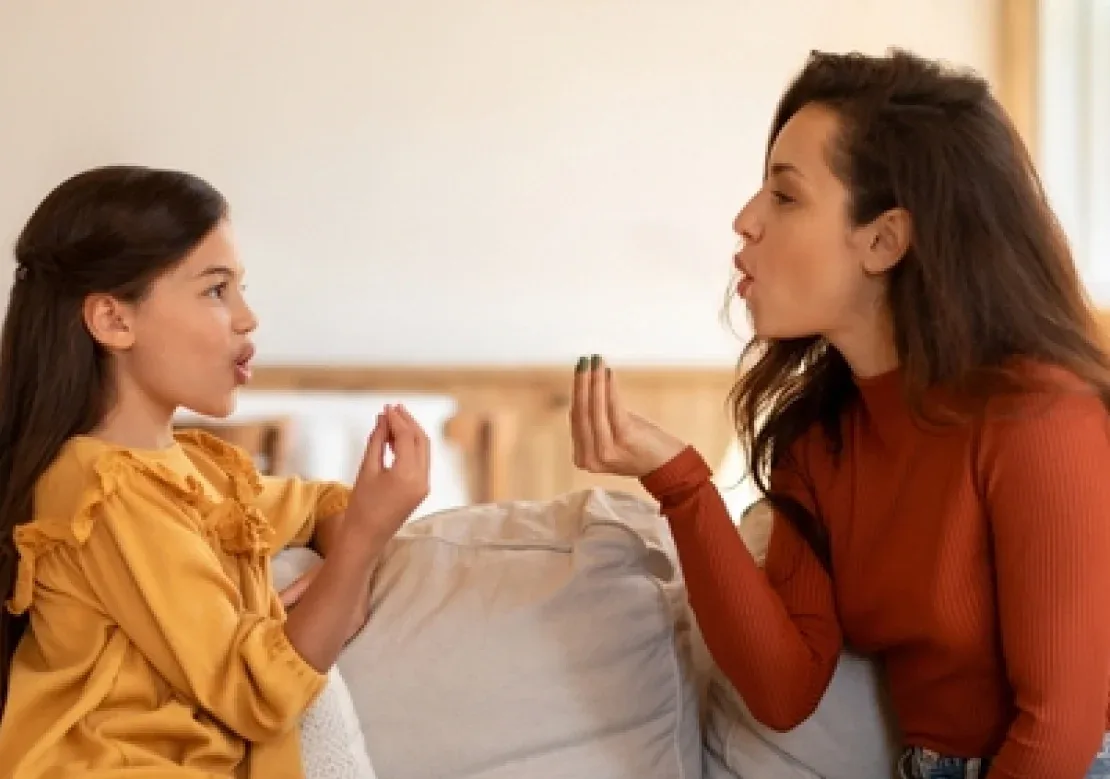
(883,397)
(881,388)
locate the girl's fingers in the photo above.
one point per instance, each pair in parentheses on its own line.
(374,459)
(291,594)
(402,439)
(421,445)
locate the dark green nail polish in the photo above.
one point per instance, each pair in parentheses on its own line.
(595,361)
(583,362)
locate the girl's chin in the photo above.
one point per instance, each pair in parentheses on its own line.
(216,408)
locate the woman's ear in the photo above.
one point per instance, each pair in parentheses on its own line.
(889,238)
(110,322)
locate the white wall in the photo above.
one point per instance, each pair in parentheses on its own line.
(1074,76)
(491,181)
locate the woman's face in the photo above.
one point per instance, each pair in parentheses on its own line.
(804,267)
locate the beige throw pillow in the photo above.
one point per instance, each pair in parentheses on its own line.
(545,639)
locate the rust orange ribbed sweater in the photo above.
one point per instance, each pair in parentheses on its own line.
(973,561)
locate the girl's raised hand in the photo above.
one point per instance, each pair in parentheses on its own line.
(383,497)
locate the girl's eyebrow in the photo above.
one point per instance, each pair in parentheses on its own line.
(217,270)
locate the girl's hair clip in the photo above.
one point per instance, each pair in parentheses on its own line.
(20,272)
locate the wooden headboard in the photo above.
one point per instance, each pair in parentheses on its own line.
(512,425)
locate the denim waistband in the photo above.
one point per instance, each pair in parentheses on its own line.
(921,763)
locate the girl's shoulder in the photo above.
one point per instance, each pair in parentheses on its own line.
(198,482)
(87,470)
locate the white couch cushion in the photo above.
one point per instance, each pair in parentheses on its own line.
(332,744)
(546,640)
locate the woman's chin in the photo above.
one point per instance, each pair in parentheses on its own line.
(770,330)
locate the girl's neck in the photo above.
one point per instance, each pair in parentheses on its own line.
(136,422)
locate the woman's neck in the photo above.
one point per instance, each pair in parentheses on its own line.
(868,348)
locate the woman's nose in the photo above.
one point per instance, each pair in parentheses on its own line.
(746,225)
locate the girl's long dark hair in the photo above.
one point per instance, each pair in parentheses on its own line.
(988,279)
(108,230)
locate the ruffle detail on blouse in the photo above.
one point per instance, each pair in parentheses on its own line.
(39,537)
(235,462)
(238,526)
(235,523)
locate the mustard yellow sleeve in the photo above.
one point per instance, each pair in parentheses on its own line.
(293,506)
(158,579)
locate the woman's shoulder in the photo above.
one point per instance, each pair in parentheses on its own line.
(1048,409)
(1038,389)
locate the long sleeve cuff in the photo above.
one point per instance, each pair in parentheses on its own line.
(685,471)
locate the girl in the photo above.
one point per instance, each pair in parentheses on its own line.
(925,406)
(142,635)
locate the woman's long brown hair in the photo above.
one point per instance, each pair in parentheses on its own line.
(988,278)
(108,230)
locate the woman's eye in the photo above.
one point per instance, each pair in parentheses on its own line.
(781,198)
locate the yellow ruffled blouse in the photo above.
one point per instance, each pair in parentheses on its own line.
(156,645)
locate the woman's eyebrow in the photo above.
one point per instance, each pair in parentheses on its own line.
(785,167)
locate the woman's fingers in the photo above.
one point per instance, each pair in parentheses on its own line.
(581,437)
(619,418)
(599,413)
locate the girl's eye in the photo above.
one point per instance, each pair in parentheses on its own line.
(781,198)
(218,291)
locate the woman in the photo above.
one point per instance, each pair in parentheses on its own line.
(142,636)
(925,405)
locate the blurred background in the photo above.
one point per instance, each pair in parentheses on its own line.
(452,200)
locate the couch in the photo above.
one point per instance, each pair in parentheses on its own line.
(552,640)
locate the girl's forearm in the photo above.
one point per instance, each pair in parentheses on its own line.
(320,624)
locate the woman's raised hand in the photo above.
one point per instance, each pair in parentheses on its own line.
(608,438)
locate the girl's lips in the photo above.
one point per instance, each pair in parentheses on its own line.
(242,372)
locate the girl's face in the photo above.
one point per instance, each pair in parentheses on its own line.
(186,343)
(805,269)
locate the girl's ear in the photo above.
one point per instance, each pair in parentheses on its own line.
(110,322)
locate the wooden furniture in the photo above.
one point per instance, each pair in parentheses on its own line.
(513,423)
